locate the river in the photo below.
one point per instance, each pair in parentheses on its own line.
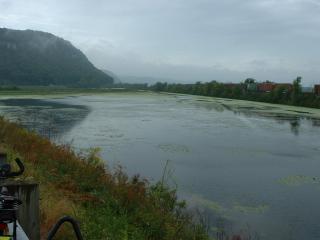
(246,166)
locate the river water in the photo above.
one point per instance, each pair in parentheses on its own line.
(250,168)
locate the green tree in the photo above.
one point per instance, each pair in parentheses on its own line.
(296,90)
(249,80)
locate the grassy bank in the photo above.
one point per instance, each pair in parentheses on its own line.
(108,204)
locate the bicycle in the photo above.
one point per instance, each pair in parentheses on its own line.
(10,228)
(8,203)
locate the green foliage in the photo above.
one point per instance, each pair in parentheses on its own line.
(93,157)
(9,88)
(131,86)
(246,91)
(296,91)
(39,58)
(249,80)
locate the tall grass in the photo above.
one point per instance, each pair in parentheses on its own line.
(108,204)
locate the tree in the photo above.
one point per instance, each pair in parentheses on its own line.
(296,90)
(249,80)
(278,94)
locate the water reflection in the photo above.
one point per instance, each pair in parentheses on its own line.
(294,121)
(52,119)
(48,118)
(210,106)
(295,124)
(316,122)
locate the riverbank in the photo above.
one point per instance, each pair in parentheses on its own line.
(108,204)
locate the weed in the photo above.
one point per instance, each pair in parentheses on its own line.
(108,204)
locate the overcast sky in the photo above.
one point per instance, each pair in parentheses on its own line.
(185,40)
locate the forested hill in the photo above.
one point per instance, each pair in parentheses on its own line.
(39,58)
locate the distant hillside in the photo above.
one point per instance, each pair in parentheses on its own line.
(38,58)
(116,79)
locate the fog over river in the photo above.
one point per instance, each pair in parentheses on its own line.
(247,166)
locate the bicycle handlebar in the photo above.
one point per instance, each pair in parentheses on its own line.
(6,170)
(21,169)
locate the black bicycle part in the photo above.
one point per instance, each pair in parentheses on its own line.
(61,221)
(5,170)
(8,203)
(8,212)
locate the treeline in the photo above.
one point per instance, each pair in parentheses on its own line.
(131,86)
(9,88)
(281,93)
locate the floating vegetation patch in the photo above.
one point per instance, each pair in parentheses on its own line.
(247,108)
(225,99)
(174,148)
(260,209)
(116,136)
(298,180)
(212,205)
(204,100)
(226,107)
(258,107)
(299,111)
(224,211)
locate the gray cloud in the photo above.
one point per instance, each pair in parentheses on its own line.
(187,40)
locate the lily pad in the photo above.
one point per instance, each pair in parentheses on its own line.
(174,148)
(251,209)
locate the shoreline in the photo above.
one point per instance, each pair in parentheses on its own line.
(234,104)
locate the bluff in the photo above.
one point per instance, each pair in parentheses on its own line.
(30,57)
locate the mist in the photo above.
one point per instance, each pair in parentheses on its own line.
(184,41)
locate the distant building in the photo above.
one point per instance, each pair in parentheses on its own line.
(287,86)
(266,87)
(317,89)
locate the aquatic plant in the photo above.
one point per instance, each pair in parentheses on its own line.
(297,180)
